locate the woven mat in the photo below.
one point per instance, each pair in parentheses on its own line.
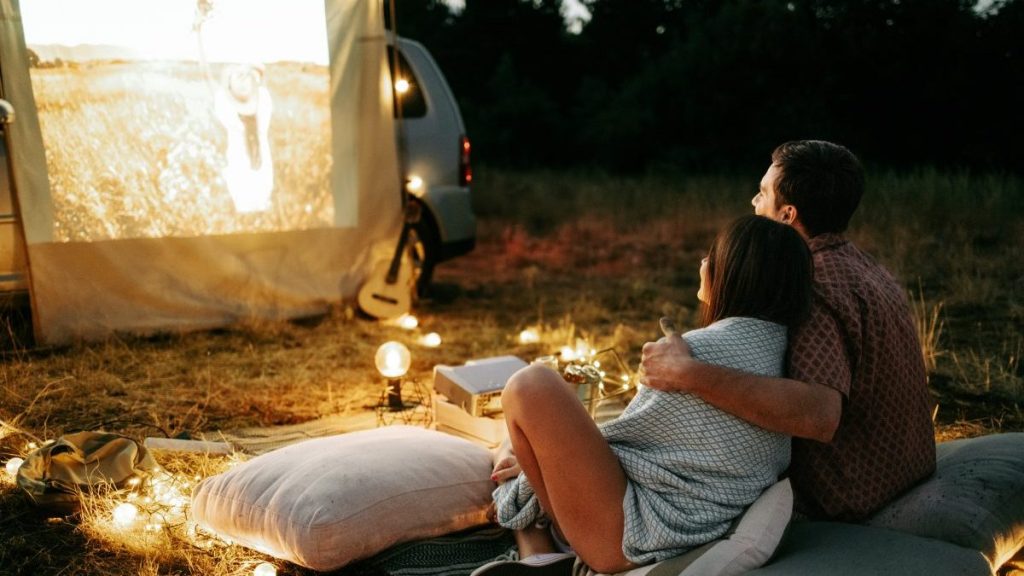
(451,555)
(257,441)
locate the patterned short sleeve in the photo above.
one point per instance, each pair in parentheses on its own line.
(817,354)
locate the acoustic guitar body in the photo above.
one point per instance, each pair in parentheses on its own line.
(388,300)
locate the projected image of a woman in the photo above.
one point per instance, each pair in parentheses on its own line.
(242,105)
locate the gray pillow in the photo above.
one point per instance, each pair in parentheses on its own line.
(835,549)
(975,499)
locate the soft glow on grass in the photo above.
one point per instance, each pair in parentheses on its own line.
(125,514)
(265,569)
(407,321)
(12,466)
(529,336)
(432,340)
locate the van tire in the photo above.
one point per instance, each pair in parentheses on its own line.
(425,249)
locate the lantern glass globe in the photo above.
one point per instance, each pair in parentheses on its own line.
(393,359)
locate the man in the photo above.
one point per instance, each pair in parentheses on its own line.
(856,400)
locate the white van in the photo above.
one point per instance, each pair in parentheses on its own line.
(434,152)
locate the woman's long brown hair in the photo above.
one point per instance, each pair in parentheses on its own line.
(758,268)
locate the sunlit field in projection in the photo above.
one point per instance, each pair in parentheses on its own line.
(188,118)
(134,150)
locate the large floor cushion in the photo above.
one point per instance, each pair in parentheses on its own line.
(975,499)
(835,549)
(327,502)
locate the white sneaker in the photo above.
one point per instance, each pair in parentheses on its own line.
(551,564)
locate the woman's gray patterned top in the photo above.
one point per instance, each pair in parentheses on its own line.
(691,468)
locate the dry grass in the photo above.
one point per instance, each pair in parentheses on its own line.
(567,255)
(929,323)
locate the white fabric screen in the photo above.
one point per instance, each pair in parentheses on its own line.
(199,166)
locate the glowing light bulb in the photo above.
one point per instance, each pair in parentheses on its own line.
(401,85)
(408,321)
(432,340)
(125,514)
(567,354)
(392,359)
(414,184)
(13,464)
(265,569)
(529,336)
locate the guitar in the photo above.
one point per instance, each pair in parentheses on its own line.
(388,291)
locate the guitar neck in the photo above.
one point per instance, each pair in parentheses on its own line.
(396,260)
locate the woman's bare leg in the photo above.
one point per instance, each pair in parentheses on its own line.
(575,474)
(533,540)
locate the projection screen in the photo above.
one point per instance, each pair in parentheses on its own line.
(187,163)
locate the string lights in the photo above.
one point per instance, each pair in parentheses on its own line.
(150,510)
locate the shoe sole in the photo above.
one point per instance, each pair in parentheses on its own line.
(559,567)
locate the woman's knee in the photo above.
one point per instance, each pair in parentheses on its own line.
(530,385)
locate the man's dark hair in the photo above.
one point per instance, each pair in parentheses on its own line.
(824,181)
(758,268)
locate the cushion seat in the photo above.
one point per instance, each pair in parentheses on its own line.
(965,520)
(837,549)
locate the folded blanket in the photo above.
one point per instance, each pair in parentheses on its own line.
(517,504)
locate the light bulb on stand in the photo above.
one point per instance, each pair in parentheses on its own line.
(393,360)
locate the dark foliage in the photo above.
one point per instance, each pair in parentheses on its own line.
(709,84)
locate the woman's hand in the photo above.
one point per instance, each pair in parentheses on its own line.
(505,469)
(505,464)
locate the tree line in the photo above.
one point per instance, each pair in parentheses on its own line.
(716,84)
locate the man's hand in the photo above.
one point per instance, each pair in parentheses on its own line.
(664,362)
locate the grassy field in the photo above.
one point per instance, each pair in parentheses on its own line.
(571,255)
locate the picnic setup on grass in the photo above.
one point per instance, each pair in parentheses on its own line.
(127,226)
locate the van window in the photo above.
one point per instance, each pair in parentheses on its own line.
(414,105)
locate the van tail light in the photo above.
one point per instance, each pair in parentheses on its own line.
(465,167)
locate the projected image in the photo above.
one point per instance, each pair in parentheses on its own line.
(182,117)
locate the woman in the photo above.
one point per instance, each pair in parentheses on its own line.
(243,106)
(672,471)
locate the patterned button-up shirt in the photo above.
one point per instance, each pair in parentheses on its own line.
(861,341)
